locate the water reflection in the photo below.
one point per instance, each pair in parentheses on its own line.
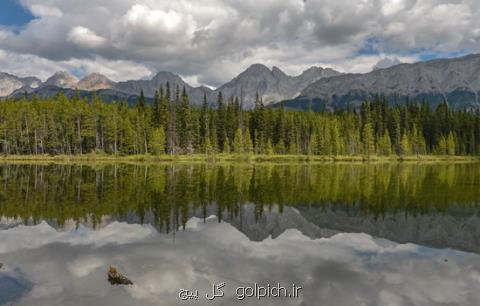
(348,234)
(430,204)
(345,269)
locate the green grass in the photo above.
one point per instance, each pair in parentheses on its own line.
(244,158)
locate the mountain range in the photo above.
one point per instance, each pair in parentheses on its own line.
(455,80)
(272,85)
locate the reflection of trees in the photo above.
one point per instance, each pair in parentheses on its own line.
(172,192)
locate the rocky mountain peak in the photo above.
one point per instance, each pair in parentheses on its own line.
(62,79)
(256,69)
(10,83)
(277,72)
(453,80)
(273,85)
(94,81)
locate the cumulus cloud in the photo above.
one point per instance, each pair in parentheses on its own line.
(117,70)
(84,37)
(118,233)
(40,10)
(211,41)
(386,63)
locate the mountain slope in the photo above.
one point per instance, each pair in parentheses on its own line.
(107,95)
(94,81)
(455,80)
(61,79)
(272,85)
(9,83)
(160,79)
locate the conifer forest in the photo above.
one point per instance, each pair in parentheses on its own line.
(172,125)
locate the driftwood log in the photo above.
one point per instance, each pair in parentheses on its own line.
(116,278)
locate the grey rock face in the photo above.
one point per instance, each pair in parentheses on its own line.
(61,79)
(150,86)
(272,85)
(9,83)
(437,230)
(455,80)
(95,81)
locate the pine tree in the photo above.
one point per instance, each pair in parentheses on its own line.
(226,146)
(405,146)
(451,144)
(204,121)
(185,123)
(163,110)
(221,135)
(385,144)
(442,145)
(336,141)
(141,101)
(418,141)
(156,110)
(238,142)
(208,146)
(158,141)
(269,148)
(313,144)
(368,139)
(248,143)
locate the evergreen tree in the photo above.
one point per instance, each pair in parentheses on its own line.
(368,139)
(405,146)
(248,143)
(220,127)
(158,141)
(442,145)
(450,144)
(269,148)
(185,124)
(156,110)
(141,101)
(385,147)
(238,142)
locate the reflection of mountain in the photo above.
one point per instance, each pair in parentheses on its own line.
(432,230)
(273,223)
(256,227)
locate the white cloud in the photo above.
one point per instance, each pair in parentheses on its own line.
(212,40)
(392,6)
(85,265)
(115,233)
(365,63)
(143,16)
(40,10)
(84,37)
(117,70)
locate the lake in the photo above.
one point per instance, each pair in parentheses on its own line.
(240,234)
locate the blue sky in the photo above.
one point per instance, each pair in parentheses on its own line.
(13,14)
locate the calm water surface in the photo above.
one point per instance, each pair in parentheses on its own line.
(382,234)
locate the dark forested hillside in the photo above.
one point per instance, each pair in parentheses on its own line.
(171,125)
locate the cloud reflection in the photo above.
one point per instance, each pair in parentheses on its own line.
(69,268)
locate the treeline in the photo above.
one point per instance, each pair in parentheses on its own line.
(171,125)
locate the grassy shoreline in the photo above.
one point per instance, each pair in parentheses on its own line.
(222,158)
